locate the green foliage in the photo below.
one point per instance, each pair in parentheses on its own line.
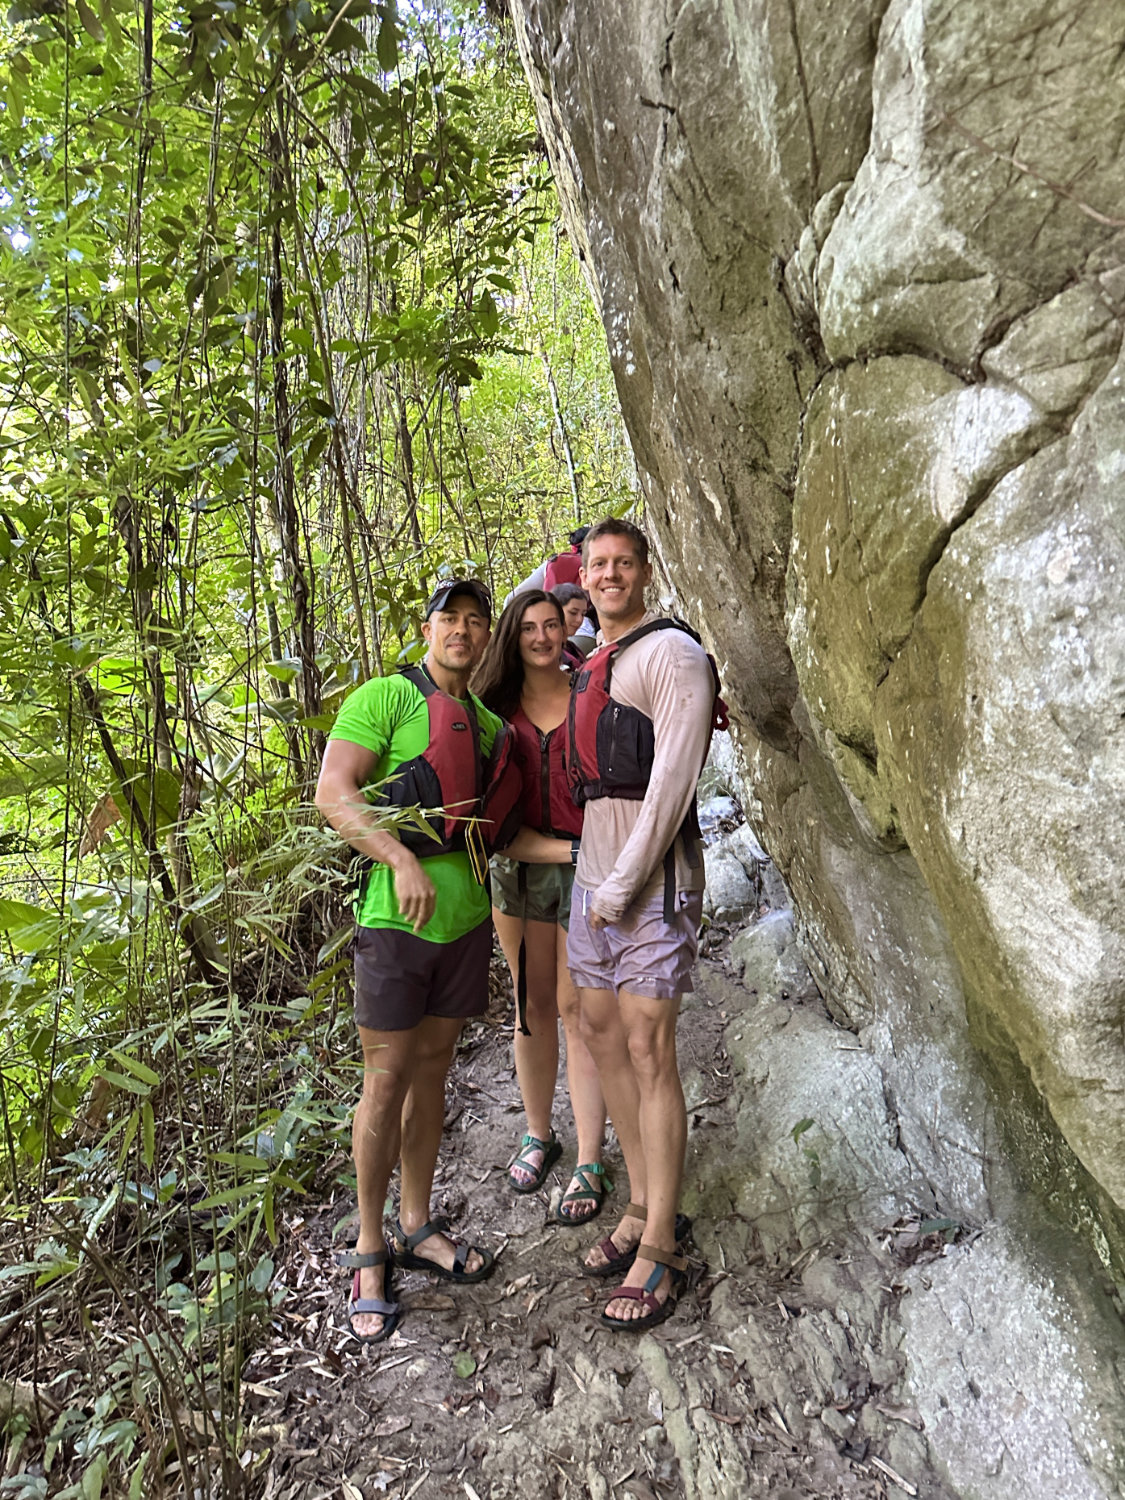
(288,331)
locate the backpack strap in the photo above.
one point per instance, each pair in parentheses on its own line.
(721,715)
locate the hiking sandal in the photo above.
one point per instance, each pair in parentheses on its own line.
(597,1184)
(390,1312)
(551,1152)
(618,1261)
(411,1262)
(655,1311)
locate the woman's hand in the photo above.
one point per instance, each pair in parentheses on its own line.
(537,849)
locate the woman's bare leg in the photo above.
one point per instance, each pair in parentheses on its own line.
(537,1055)
(582,1079)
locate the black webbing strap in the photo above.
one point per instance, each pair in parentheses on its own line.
(670,885)
(521,988)
(521,959)
(691,836)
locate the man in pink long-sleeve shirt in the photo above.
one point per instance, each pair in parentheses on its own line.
(635,916)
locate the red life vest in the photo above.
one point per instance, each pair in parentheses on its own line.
(452,775)
(612,746)
(547,803)
(562,568)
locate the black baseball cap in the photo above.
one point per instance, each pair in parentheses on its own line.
(447,589)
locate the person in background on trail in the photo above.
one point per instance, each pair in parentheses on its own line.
(561,567)
(637,899)
(423,936)
(574,603)
(520,679)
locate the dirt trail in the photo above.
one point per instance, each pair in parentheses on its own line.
(760,1384)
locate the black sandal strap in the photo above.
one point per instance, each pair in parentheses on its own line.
(408,1241)
(373,1305)
(354,1260)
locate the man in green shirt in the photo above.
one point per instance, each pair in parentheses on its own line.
(423,945)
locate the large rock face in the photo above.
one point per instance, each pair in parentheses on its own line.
(862,272)
(861,275)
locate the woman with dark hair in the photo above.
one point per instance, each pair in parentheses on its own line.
(574,603)
(520,678)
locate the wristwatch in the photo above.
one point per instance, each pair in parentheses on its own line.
(575,844)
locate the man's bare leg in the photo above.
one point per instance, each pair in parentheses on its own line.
(388,1066)
(604,1031)
(649,1025)
(423,1119)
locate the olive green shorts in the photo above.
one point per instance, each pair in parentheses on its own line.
(537,893)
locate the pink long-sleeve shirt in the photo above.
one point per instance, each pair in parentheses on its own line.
(666,675)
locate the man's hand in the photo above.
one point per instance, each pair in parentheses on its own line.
(595,920)
(414,890)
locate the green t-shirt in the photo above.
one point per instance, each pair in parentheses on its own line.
(389,717)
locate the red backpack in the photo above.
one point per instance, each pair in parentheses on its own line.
(563,567)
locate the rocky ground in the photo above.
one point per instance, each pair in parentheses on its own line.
(841,1334)
(763,1383)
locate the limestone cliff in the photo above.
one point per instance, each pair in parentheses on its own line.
(861,270)
(862,274)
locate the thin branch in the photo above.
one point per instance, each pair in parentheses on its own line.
(1059,188)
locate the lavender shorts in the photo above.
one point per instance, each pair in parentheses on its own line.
(641,953)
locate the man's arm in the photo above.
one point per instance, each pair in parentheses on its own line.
(536,848)
(682,692)
(347,769)
(534,580)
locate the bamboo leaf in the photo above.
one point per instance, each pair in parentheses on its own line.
(386,42)
(148,1127)
(90,21)
(136,1067)
(29,927)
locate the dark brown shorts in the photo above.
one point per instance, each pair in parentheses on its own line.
(400,978)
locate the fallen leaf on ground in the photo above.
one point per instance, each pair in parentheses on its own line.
(430,1302)
(391,1426)
(541,1336)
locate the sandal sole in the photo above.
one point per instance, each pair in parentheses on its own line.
(410,1262)
(648,1320)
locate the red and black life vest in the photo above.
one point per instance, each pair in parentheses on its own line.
(452,775)
(612,746)
(563,567)
(547,803)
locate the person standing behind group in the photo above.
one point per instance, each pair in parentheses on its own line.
(520,679)
(558,570)
(572,597)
